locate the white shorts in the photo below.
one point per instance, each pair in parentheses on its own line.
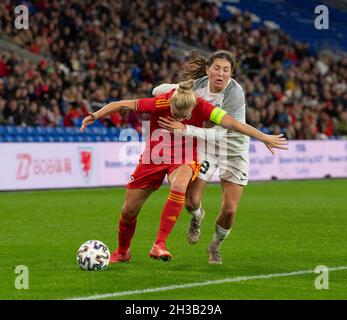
(234,170)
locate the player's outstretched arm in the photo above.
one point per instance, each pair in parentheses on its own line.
(228,122)
(271,141)
(107,110)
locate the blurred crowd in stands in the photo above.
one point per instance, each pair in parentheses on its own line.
(98,51)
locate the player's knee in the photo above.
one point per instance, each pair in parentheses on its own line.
(129,211)
(192,203)
(229,211)
(179,186)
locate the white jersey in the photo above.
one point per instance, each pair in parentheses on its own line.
(232,100)
(224,149)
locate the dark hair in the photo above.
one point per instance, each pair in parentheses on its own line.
(195,66)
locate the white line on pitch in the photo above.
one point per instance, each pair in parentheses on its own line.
(201,284)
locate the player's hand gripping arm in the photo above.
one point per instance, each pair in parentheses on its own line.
(124,105)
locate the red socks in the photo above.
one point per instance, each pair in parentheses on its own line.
(125,234)
(169,216)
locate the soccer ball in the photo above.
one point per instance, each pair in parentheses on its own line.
(93,255)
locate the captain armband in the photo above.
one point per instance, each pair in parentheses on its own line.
(217,115)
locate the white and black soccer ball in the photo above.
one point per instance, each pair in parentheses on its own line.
(93,255)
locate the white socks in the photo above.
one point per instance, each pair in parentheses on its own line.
(197,214)
(219,235)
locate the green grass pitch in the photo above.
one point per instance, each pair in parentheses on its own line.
(281,227)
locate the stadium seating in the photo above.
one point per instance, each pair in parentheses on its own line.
(296,17)
(274,75)
(57,134)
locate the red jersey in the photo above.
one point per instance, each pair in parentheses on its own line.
(163,146)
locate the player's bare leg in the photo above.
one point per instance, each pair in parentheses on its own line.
(179,180)
(134,200)
(193,206)
(231,195)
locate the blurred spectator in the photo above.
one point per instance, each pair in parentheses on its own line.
(4,72)
(32,115)
(11,114)
(326,125)
(74,113)
(341,127)
(2,107)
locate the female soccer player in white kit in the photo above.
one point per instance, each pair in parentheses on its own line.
(228,151)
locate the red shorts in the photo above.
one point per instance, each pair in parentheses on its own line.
(152,175)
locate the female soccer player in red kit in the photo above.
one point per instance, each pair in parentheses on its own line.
(183,105)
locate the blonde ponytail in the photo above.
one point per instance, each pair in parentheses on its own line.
(184,99)
(185,87)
